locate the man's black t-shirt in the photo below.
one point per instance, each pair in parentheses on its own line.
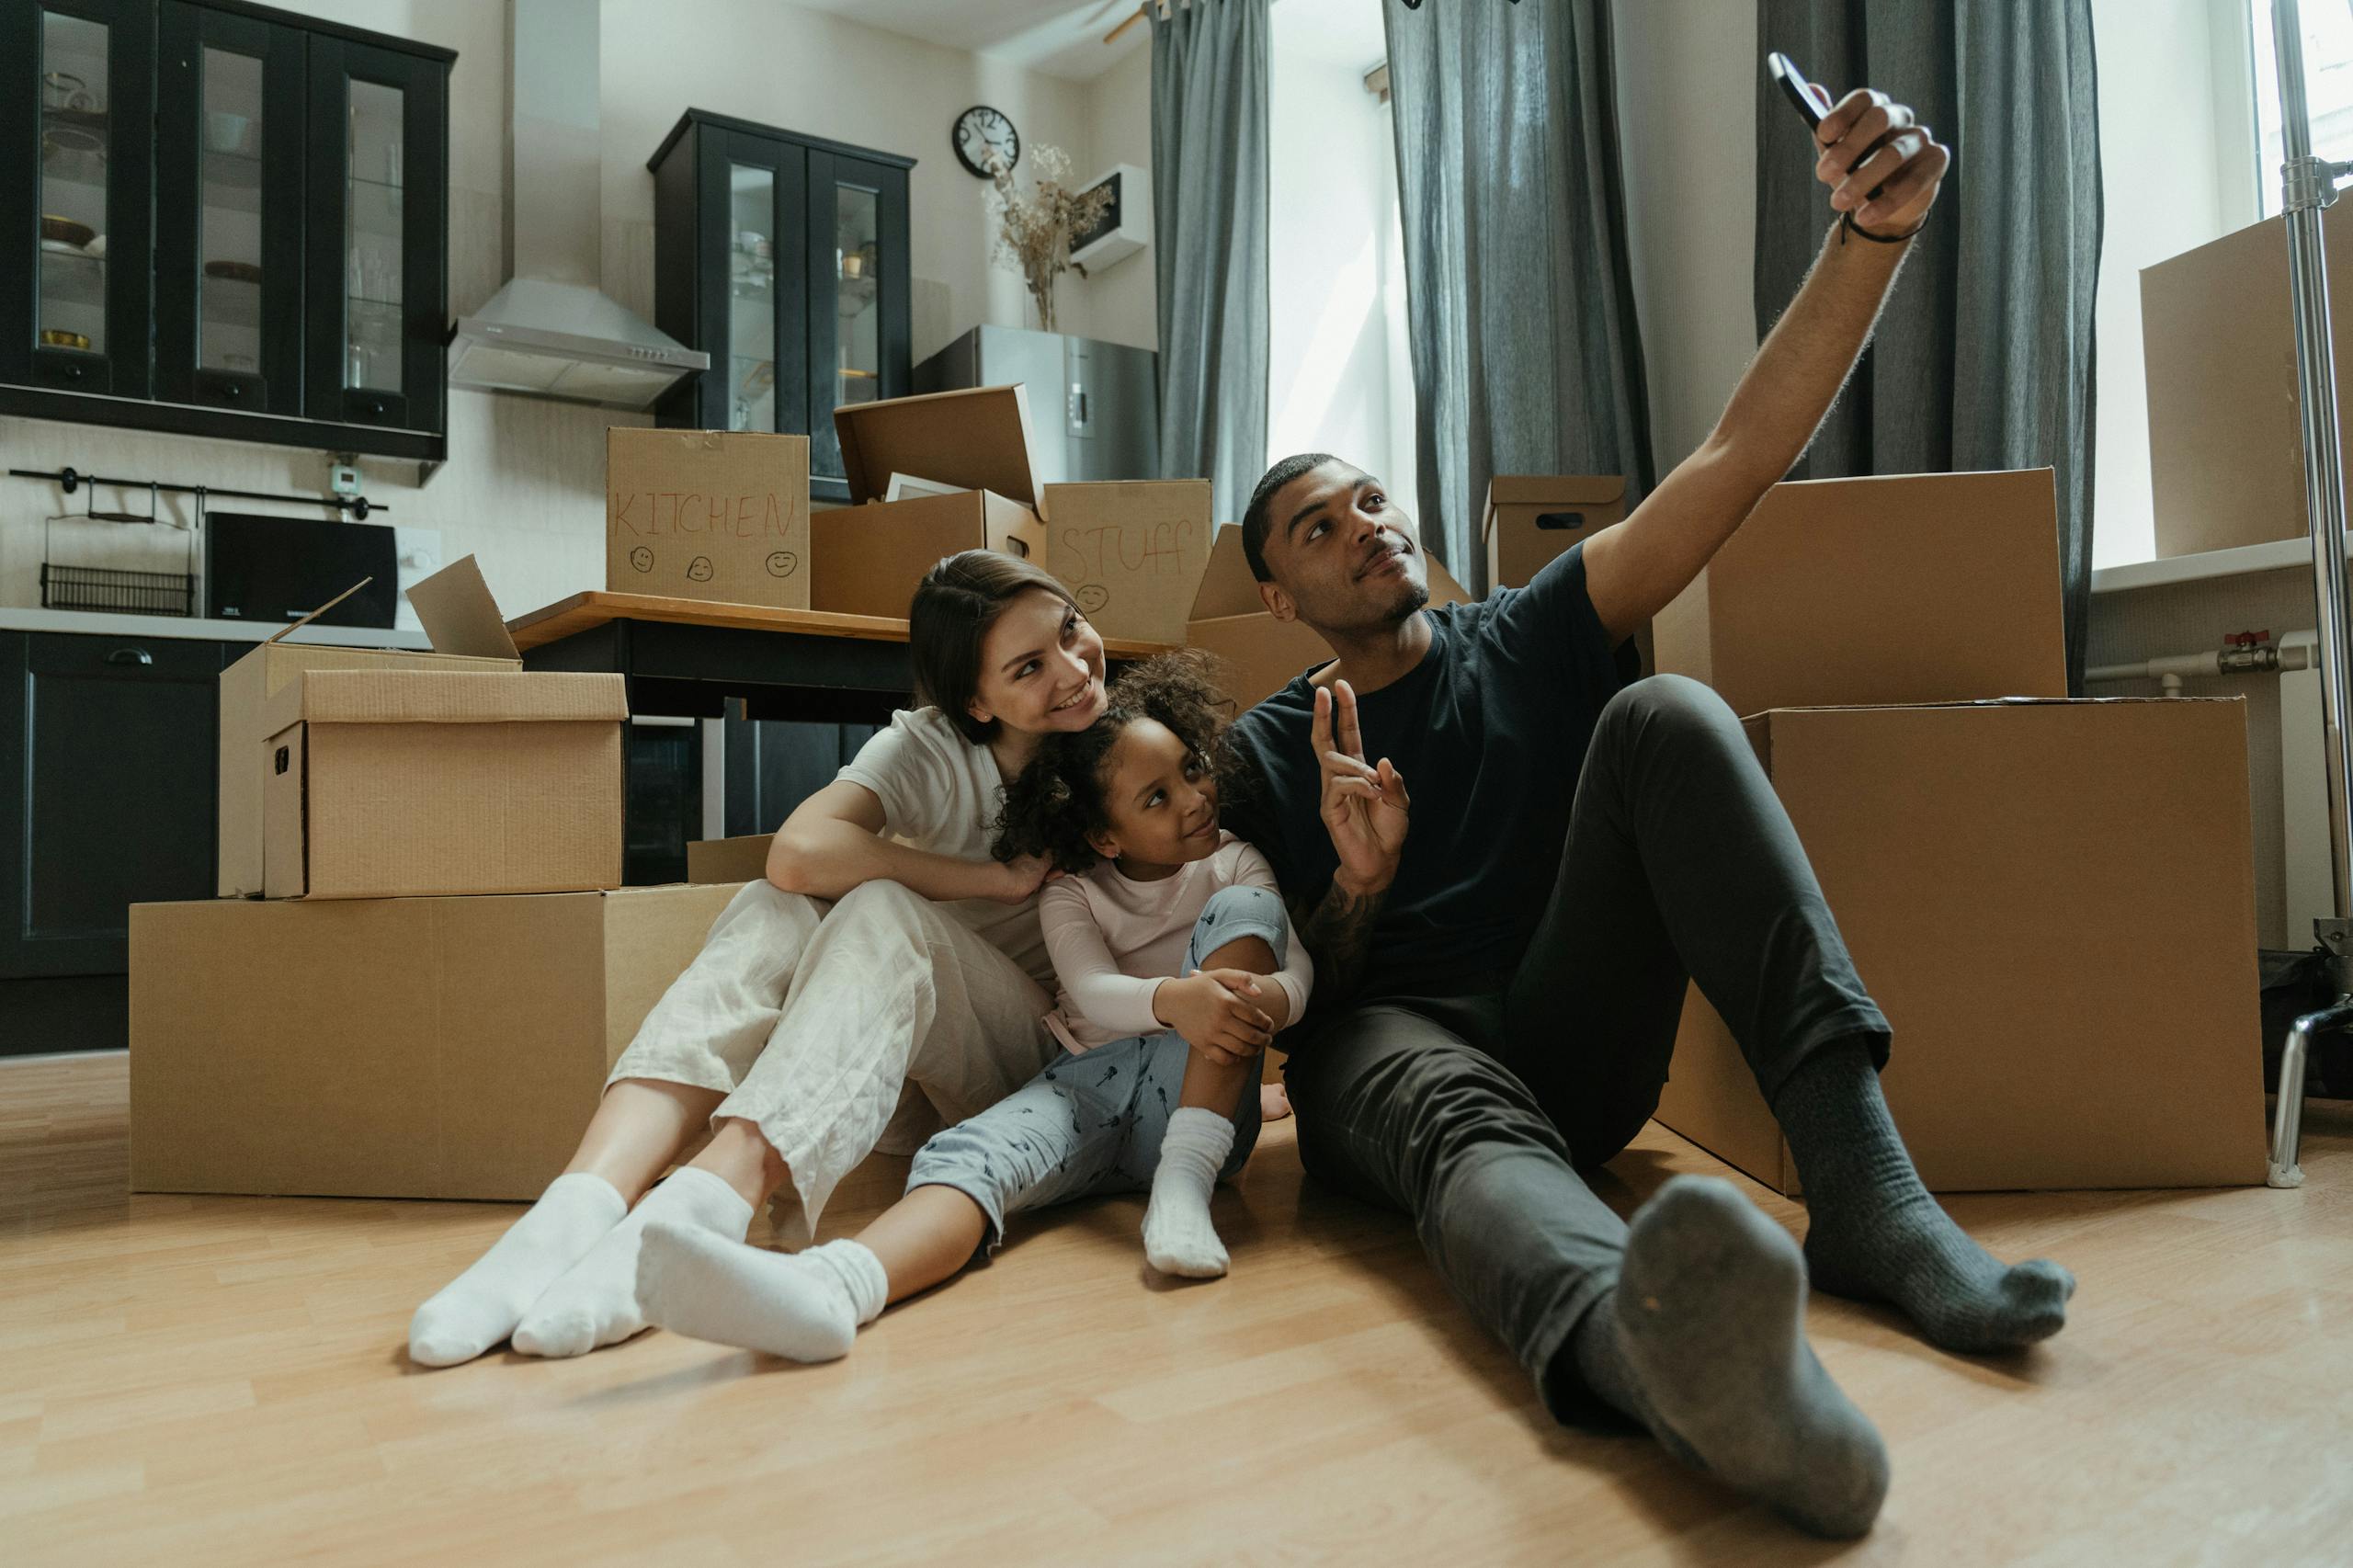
(1490,731)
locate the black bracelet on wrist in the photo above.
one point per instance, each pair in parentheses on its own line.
(1847,225)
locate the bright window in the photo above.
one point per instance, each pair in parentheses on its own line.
(2329,89)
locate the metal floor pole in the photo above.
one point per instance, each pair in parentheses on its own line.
(2309,186)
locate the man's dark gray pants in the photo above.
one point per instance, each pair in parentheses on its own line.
(1474,1113)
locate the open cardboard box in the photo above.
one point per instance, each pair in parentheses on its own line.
(460,619)
(1940,587)
(1131,552)
(868,556)
(389,1048)
(1259,654)
(720,515)
(392,783)
(1531,518)
(2053,902)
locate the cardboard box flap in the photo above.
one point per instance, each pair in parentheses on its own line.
(977,438)
(1546,489)
(1229,589)
(451,697)
(1991,702)
(458,614)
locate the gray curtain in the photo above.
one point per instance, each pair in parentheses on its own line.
(1519,301)
(1209,219)
(1984,357)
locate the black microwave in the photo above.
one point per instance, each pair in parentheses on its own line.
(274,570)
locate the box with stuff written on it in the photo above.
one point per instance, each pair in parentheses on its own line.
(2053,903)
(385,783)
(389,1048)
(870,555)
(720,515)
(467,632)
(1130,553)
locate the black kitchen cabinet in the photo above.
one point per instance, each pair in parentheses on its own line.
(773,765)
(114,741)
(226,221)
(784,257)
(76,111)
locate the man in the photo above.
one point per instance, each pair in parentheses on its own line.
(1502,957)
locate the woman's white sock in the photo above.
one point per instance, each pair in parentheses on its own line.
(481,1306)
(595,1303)
(1178,1236)
(804,1306)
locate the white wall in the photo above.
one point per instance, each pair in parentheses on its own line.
(1122,302)
(1332,198)
(523,487)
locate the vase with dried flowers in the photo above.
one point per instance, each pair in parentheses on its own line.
(1034,229)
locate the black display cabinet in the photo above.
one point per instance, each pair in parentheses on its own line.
(221,220)
(784,257)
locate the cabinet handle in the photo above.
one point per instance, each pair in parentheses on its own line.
(130,656)
(73,372)
(376,409)
(232,391)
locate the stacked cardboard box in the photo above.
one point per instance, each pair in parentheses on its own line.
(386,1023)
(2052,901)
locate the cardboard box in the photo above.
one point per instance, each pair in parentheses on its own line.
(1531,518)
(1131,552)
(389,1048)
(870,555)
(460,619)
(1260,653)
(2226,435)
(404,783)
(1905,589)
(2053,902)
(735,860)
(714,515)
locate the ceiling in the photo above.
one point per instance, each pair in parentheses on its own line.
(1059,38)
(1064,37)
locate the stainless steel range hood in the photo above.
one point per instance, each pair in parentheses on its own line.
(550,331)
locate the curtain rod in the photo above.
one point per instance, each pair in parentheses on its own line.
(69,481)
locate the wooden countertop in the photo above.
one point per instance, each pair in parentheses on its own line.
(584,611)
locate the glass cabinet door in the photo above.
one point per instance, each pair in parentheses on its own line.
(229,211)
(858,331)
(752,199)
(751,297)
(84,77)
(378,272)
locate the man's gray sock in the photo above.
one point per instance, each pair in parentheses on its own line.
(1703,1342)
(1875,1235)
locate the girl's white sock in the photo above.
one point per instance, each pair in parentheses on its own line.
(1178,1236)
(804,1306)
(481,1306)
(595,1303)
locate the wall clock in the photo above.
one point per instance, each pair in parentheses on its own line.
(983,137)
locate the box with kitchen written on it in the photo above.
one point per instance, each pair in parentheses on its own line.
(1531,517)
(719,516)
(870,555)
(2053,903)
(389,1048)
(1131,552)
(1939,587)
(1259,654)
(460,618)
(2226,443)
(392,783)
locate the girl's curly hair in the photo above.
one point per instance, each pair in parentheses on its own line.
(1056,804)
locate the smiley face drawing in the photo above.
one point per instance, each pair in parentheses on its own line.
(783,563)
(642,558)
(1092,597)
(698,569)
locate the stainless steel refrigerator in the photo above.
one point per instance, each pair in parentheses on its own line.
(1093,407)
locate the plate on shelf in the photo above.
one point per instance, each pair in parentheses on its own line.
(65,231)
(234,271)
(59,247)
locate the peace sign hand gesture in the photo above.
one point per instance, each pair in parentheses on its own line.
(1364,807)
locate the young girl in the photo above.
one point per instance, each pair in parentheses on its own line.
(888,964)
(1176,968)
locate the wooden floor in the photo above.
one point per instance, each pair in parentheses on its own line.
(222,1380)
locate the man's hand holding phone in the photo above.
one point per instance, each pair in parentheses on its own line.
(1883,168)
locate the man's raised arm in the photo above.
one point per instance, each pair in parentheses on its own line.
(1636,569)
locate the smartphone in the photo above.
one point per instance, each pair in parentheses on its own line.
(1784,71)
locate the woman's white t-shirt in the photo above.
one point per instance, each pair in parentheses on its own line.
(942,793)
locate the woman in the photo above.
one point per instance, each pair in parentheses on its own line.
(885,955)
